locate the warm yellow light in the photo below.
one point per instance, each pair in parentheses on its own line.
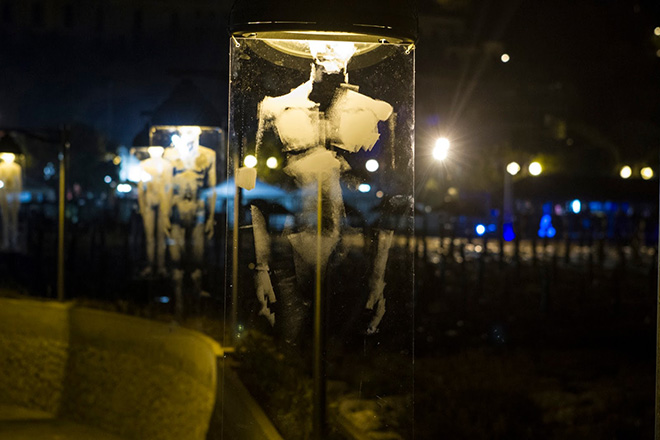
(270,163)
(441,149)
(647,173)
(535,169)
(656,31)
(116,160)
(298,44)
(625,172)
(250,161)
(332,55)
(8,157)
(505,58)
(513,168)
(156,151)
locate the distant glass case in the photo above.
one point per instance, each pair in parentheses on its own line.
(174,227)
(320,158)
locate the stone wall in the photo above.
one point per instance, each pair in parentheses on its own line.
(34,341)
(129,376)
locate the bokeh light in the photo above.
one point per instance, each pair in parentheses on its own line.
(513,168)
(535,168)
(372,165)
(625,172)
(647,173)
(250,161)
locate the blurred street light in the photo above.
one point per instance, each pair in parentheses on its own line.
(250,161)
(505,58)
(441,149)
(647,173)
(625,172)
(656,31)
(513,168)
(535,169)
(372,165)
(576,206)
(271,163)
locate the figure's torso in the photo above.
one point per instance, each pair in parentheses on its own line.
(159,180)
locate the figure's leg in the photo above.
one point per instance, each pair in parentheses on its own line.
(14,207)
(4,207)
(177,243)
(292,307)
(148,220)
(377,281)
(160,242)
(197,262)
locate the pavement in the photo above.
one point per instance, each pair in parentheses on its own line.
(18,423)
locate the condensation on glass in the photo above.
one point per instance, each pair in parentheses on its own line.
(320,225)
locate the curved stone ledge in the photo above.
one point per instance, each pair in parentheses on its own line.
(133,377)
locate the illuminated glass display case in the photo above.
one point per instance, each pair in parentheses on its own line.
(173,182)
(320,155)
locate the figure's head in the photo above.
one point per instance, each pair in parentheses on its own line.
(8,157)
(186,139)
(156,152)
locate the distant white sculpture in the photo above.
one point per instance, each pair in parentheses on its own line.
(349,123)
(154,199)
(10,190)
(191,217)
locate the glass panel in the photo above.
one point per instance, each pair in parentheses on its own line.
(28,212)
(142,233)
(321,196)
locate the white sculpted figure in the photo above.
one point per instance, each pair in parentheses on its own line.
(10,190)
(191,218)
(308,136)
(154,197)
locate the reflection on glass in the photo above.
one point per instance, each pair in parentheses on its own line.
(12,184)
(154,197)
(190,215)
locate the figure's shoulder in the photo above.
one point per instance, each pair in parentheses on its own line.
(297,98)
(206,151)
(171,154)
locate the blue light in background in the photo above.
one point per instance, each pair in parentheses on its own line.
(595,206)
(480,229)
(545,227)
(576,206)
(546,221)
(492,227)
(508,233)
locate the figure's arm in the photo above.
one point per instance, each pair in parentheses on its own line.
(168,195)
(264,286)
(377,281)
(19,178)
(208,228)
(142,192)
